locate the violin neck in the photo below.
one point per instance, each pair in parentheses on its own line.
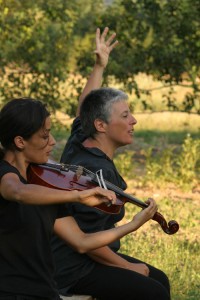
(126,197)
(135,201)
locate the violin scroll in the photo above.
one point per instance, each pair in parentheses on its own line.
(170,228)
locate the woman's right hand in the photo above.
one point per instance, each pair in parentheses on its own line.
(96,196)
(145,214)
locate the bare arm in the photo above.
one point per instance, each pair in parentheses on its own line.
(108,257)
(68,230)
(103,49)
(11,188)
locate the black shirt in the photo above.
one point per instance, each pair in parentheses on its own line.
(26,262)
(70,266)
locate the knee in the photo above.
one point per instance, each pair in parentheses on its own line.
(161,292)
(165,280)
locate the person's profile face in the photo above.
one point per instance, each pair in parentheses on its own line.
(121,124)
(38,148)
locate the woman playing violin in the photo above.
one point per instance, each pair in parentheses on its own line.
(29,213)
(103,124)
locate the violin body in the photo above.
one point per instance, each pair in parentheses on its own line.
(67,180)
(70,177)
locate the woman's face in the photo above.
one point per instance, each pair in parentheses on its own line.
(121,124)
(38,148)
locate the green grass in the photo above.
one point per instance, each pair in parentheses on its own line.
(177,255)
(166,127)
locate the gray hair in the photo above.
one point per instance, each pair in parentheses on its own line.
(98,105)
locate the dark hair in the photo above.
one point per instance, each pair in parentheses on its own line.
(23,117)
(98,105)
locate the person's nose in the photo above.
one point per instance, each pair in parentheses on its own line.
(133,120)
(52,141)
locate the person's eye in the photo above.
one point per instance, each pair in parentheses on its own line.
(125,115)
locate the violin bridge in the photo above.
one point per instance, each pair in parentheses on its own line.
(99,175)
(79,172)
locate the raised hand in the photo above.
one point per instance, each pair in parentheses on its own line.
(104,47)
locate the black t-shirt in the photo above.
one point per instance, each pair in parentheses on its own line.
(26,262)
(70,266)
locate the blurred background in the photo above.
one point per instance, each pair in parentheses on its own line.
(46,52)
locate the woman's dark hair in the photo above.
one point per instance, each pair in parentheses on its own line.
(20,117)
(98,105)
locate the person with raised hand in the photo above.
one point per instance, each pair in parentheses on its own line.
(103,123)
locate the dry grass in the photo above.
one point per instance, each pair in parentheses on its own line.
(168,121)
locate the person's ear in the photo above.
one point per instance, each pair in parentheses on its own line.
(19,142)
(100,125)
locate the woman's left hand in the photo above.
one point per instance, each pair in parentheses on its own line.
(104,47)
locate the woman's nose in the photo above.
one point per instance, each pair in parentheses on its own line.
(133,120)
(52,141)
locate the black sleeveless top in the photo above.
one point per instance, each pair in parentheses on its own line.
(26,263)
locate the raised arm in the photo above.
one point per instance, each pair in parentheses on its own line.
(103,49)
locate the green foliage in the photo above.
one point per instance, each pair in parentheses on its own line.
(36,47)
(39,86)
(179,167)
(36,34)
(124,162)
(159,38)
(48,39)
(188,162)
(159,168)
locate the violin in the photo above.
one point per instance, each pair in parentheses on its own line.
(72,177)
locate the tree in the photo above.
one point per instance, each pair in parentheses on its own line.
(43,41)
(35,40)
(161,38)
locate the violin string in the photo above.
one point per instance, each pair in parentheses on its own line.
(93,176)
(169,228)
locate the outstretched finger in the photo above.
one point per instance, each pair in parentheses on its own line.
(98,34)
(110,39)
(113,45)
(102,38)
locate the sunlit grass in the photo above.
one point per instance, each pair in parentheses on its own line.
(168,122)
(178,254)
